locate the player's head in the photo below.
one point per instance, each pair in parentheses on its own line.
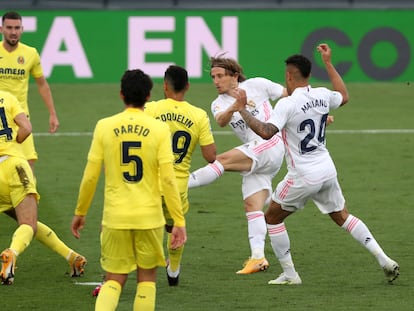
(136,88)
(11,28)
(226,73)
(298,71)
(176,79)
(11,15)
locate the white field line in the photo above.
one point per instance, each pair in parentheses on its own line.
(88,283)
(224,133)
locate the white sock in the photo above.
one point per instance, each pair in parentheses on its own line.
(361,233)
(256,226)
(279,239)
(173,274)
(206,175)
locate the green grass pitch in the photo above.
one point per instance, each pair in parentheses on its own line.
(372,144)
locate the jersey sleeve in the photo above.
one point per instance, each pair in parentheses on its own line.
(91,174)
(87,187)
(37,70)
(96,150)
(217,106)
(168,179)
(273,90)
(335,100)
(15,106)
(280,113)
(206,135)
(171,194)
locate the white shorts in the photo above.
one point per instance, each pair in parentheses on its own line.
(267,157)
(292,193)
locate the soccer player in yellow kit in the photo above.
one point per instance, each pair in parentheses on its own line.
(17,186)
(137,158)
(189,126)
(18,62)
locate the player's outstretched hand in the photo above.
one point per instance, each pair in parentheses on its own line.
(53,124)
(178,237)
(77,224)
(325,51)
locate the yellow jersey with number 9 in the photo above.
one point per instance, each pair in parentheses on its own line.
(189,126)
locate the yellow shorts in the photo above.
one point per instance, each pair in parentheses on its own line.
(16,182)
(123,250)
(28,147)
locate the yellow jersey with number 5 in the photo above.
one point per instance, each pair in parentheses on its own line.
(131,145)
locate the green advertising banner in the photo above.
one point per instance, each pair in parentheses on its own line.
(97,46)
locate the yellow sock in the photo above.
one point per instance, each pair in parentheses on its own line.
(108,296)
(49,238)
(21,238)
(145,296)
(174,255)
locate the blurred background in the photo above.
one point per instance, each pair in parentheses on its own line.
(96,40)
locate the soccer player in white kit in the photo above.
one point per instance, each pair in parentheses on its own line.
(257,160)
(301,118)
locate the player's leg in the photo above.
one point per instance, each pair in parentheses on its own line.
(360,232)
(266,159)
(146,291)
(280,242)
(355,226)
(17,189)
(256,224)
(26,212)
(44,233)
(174,255)
(117,247)
(110,292)
(292,194)
(232,160)
(150,255)
(49,238)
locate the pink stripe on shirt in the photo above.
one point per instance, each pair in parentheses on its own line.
(267,111)
(287,147)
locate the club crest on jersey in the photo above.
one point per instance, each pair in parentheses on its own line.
(20,60)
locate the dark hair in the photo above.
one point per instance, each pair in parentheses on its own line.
(136,86)
(11,15)
(230,65)
(300,62)
(177,77)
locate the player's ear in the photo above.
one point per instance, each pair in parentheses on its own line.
(121,95)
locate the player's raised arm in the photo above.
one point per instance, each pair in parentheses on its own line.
(264,130)
(335,78)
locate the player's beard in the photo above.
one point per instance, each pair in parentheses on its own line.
(12,42)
